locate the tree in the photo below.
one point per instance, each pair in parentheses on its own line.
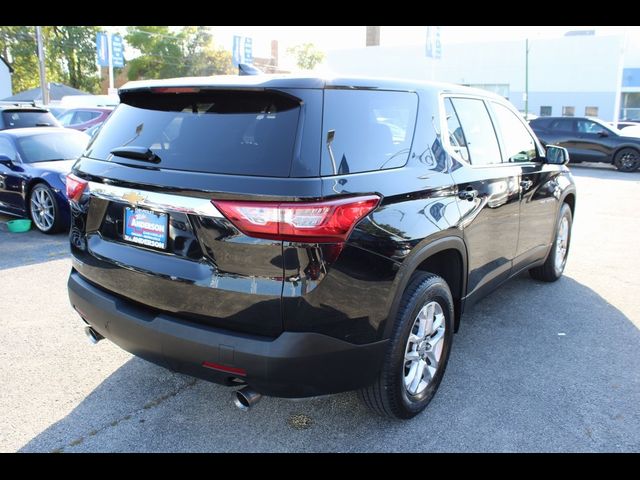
(307,55)
(164,54)
(74,48)
(70,56)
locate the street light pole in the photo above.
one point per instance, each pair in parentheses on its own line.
(43,78)
(526,80)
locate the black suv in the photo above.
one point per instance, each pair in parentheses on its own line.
(590,140)
(19,115)
(302,236)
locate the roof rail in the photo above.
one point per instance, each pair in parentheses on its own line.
(17,103)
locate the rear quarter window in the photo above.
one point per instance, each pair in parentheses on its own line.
(372,130)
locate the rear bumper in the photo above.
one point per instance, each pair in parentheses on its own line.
(295,364)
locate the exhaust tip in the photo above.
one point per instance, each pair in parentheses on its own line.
(93,336)
(245,398)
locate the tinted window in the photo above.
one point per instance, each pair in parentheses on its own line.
(83,116)
(519,145)
(540,122)
(20,119)
(52,146)
(6,148)
(478,131)
(456,136)
(545,111)
(562,124)
(587,126)
(373,130)
(66,118)
(251,133)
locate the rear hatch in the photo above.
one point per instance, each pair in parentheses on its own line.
(146,228)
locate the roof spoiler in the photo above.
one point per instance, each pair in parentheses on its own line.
(16,103)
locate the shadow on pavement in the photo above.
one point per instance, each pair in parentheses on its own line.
(535,367)
(28,248)
(605,172)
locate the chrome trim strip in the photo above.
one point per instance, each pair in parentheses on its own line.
(164,202)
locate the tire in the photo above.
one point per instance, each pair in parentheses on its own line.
(552,270)
(627,159)
(388,395)
(42,199)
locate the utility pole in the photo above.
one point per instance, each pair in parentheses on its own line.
(43,78)
(619,79)
(526,80)
(110,53)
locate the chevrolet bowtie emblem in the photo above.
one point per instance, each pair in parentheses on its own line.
(134,198)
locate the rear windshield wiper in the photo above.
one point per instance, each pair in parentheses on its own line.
(136,153)
(43,124)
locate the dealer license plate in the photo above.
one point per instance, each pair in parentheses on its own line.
(145,227)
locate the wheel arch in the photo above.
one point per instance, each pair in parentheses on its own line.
(446,257)
(632,146)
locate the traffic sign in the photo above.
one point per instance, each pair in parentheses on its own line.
(434,46)
(242,50)
(248,51)
(117,50)
(102,50)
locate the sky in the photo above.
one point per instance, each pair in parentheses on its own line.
(331,38)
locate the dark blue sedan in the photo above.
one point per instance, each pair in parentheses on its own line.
(33,167)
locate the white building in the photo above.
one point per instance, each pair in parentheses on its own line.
(571,75)
(5,78)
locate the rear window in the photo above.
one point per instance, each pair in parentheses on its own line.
(372,130)
(540,123)
(227,132)
(27,118)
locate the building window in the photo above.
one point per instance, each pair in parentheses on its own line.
(590,111)
(568,111)
(545,111)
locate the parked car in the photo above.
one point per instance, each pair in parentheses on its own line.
(590,140)
(56,111)
(34,163)
(623,125)
(20,115)
(91,131)
(278,233)
(84,118)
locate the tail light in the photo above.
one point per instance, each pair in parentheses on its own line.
(330,221)
(75,187)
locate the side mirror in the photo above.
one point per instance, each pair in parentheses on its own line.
(557,155)
(603,133)
(4,160)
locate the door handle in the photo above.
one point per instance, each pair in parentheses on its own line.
(468,194)
(526,184)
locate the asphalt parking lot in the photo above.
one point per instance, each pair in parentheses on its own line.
(535,367)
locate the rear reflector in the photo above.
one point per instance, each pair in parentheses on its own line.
(236,371)
(318,222)
(75,187)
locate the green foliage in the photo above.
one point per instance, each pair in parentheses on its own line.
(70,56)
(74,48)
(166,54)
(307,55)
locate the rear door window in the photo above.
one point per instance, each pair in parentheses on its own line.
(478,131)
(214,131)
(372,130)
(562,125)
